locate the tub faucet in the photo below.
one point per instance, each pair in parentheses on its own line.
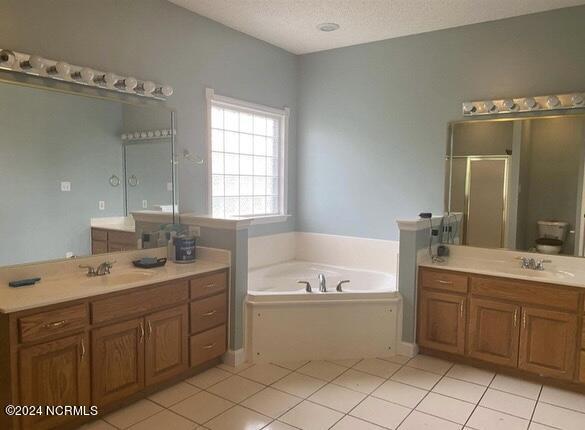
(307,284)
(322,283)
(339,289)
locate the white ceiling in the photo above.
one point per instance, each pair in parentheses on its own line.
(291,24)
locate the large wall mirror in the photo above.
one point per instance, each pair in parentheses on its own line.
(518,183)
(71,164)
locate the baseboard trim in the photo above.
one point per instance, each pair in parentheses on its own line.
(407,349)
(234,358)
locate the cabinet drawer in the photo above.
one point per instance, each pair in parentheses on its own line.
(528,293)
(443,280)
(207,345)
(99,234)
(207,313)
(51,323)
(139,302)
(208,285)
(122,237)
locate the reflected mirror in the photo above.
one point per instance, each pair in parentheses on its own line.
(518,183)
(73,170)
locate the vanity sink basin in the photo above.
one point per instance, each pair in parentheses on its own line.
(120,278)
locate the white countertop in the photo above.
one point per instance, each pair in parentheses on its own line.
(508,267)
(114,223)
(57,288)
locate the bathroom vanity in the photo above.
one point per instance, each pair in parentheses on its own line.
(527,327)
(109,348)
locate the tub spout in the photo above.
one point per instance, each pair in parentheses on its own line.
(308,288)
(322,283)
(338,288)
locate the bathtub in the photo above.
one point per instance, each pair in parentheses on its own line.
(284,322)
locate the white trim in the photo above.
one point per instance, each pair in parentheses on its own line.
(219,223)
(423,223)
(152,216)
(268,219)
(234,358)
(284,115)
(407,349)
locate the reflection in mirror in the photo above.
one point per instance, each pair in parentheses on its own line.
(519,183)
(62,173)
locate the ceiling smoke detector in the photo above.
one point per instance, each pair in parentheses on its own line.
(328,27)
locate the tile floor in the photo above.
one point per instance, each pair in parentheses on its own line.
(370,394)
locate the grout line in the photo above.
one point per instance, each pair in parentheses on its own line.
(479,401)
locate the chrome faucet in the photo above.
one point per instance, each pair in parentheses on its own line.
(532,264)
(322,283)
(101,270)
(339,284)
(307,284)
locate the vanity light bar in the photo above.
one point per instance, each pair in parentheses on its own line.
(59,70)
(148,134)
(524,104)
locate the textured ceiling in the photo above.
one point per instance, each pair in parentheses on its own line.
(291,24)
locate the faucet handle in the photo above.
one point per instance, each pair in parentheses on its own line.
(339,284)
(308,288)
(90,269)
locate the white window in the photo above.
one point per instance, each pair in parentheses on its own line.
(247,158)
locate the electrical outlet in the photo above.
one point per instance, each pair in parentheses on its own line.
(65,186)
(195,230)
(101,205)
(144,204)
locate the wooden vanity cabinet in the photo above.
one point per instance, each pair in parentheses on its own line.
(533,327)
(107,240)
(107,349)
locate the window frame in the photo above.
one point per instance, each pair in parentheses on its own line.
(284,113)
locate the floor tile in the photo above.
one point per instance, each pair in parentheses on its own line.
(165,419)
(337,397)
(359,381)
(430,364)
(486,419)
(405,395)
(174,394)
(277,425)
(563,398)
(516,386)
(377,367)
(322,370)
(353,423)
(201,407)
(381,412)
(461,390)
(420,421)
(238,418)
(415,377)
(208,378)
(508,403)
(97,425)
(299,385)
(398,359)
(271,402)
(471,374)
(291,365)
(446,407)
(561,418)
(347,362)
(265,373)
(132,414)
(310,416)
(537,426)
(236,388)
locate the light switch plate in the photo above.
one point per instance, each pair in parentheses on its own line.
(144,204)
(65,186)
(101,205)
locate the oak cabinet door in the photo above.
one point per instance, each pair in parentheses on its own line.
(548,342)
(118,361)
(494,330)
(54,373)
(442,321)
(167,338)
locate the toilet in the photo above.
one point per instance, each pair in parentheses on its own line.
(551,236)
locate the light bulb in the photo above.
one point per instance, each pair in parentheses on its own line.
(553,101)
(150,134)
(469,108)
(510,104)
(165,90)
(157,133)
(60,68)
(34,62)
(147,87)
(6,58)
(124,136)
(577,99)
(136,135)
(490,107)
(100,79)
(165,132)
(111,79)
(142,134)
(530,103)
(129,83)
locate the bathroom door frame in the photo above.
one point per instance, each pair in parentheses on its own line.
(470,158)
